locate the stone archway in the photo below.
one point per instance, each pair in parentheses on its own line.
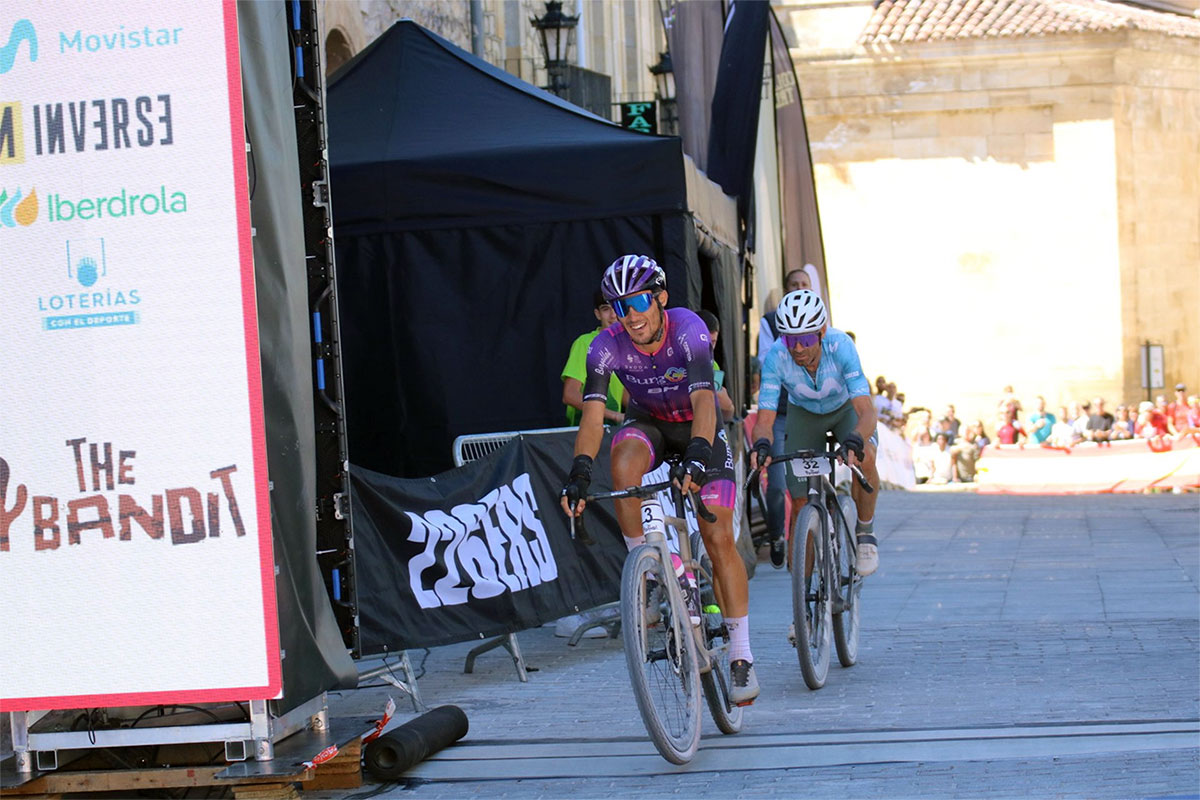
(337,51)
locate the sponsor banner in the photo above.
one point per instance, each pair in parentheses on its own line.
(134,520)
(481,550)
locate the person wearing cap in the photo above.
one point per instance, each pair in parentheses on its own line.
(1177,409)
(575,370)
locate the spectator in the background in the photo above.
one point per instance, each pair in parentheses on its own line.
(919,424)
(1192,420)
(1080,414)
(1009,402)
(1062,433)
(1161,406)
(1151,423)
(714,331)
(966,452)
(900,420)
(768,332)
(1100,422)
(1177,409)
(1009,430)
(948,424)
(1123,426)
(923,452)
(943,459)
(888,408)
(575,370)
(1040,422)
(978,435)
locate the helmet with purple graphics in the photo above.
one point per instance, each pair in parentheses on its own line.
(632,274)
(801,311)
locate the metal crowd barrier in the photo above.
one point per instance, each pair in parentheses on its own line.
(472,447)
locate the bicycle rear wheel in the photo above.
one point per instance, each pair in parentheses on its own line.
(845,621)
(716,681)
(811,597)
(661,656)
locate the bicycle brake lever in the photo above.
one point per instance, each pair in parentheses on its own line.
(582,535)
(752,478)
(862,480)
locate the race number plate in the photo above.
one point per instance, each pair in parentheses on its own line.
(808,467)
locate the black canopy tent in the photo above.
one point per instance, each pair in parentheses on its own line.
(473,217)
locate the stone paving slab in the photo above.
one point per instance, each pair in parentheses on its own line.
(987,611)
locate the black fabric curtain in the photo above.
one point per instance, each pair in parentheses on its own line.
(450,332)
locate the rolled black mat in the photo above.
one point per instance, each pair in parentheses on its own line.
(398,750)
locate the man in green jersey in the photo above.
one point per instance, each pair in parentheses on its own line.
(575,370)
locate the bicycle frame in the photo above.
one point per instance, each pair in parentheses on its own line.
(654,526)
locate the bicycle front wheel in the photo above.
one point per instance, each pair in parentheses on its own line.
(717,681)
(661,656)
(812,597)
(845,620)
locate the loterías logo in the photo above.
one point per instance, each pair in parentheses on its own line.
(22,31)
(18,208)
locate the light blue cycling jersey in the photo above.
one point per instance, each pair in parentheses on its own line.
(839,376)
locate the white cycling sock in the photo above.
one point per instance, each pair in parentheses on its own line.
(634,541)
(739,638)
(865,526)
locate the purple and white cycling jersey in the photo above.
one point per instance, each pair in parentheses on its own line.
(659,385)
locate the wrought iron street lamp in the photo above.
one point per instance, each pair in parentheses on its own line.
(664,79)
(557,32)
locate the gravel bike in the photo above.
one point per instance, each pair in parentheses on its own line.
(826,587)
(670,660)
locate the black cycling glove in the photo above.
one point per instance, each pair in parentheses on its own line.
(578,480)
(852,442)
(762,449)
(694,462)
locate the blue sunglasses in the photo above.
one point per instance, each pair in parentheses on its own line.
(640,303)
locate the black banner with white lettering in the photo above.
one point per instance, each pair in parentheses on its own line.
(481,550)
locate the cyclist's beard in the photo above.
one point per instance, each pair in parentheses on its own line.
(657,336)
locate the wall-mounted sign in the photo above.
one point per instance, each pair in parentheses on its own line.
(135,540)
(1152,366)
(641,116)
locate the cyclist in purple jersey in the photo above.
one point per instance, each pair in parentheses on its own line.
(663,359)
(657,385)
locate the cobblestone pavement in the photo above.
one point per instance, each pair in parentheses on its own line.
(1000,636)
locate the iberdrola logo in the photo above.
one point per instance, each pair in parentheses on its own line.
(18,209)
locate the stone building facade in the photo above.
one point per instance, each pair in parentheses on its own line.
(617,38)
(1009,191)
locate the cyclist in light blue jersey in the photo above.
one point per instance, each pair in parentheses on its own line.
(826,391)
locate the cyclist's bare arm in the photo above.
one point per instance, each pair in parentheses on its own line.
(866,422)
(704,424)
(763,429)
(587,441)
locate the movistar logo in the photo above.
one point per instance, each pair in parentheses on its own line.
(22,31)
(18,208)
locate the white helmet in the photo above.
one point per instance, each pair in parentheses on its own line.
(801,311)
